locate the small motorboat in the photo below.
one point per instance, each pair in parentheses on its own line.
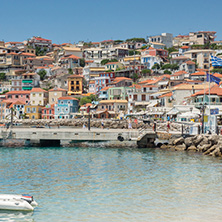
(17,202)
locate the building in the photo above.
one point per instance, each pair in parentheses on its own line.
(165,38)
(114,66)
(70,61)
(139,96)
(38,97)
(23,96)
(39,42)
(56,93)
(181,92)
(111,108)
(118,93)
(201,56)
(30,80)
(166,100)
(201,37)
(33,111)
(75,85)
(66,108)
(149,61)
(48,112)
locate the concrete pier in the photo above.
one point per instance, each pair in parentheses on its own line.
(67,136)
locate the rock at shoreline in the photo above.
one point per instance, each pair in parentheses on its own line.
(178,141)
(192,148)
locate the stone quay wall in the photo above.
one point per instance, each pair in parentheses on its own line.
(210,145)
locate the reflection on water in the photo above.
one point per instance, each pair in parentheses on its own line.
(11,216)
(89,184)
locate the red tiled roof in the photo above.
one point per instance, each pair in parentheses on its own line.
(27,54)
(41,39)
(145,81)
(185,47)
(105,88)
(37,90)
(136,86)
(190,62)
(75,76)
(86,105)
(12,53)
(112,63)
(214,90)
(166,95)
(57,89)
(29,74)
(179,73)
(70,57)
(201,73)
(149,86)
(18,92)
(218,75)
(110,40)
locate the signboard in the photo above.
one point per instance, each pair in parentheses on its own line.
(214,111)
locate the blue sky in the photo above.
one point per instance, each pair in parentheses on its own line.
(97,20)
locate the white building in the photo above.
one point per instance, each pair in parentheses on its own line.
(165,38)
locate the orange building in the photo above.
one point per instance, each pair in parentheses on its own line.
(75,85)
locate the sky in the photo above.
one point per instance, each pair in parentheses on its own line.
(97,20)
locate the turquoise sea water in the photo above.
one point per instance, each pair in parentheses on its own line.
(102,184)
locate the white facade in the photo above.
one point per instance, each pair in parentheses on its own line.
(165,38)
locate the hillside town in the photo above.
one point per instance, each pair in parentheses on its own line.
(161,77)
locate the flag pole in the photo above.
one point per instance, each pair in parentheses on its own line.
(209,91)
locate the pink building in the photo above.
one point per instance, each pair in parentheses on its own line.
(23,96)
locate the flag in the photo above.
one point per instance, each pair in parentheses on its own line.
(216,61)
(211,78)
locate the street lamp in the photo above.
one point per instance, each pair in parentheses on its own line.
(203,107)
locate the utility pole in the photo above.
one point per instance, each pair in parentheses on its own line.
(11,117)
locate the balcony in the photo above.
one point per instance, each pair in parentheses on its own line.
(27,81)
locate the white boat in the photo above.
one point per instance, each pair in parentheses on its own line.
(17,202)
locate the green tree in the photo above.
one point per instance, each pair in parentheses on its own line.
(134,52)
(167,71)
(118,41)
(156,66)
(105,61)
(42,73)
(146,72)
(166,66)
(135,76)
(70,71)
(171,49)
(82,62)
(88,99)
(174,66)
(2,76)
(136,40)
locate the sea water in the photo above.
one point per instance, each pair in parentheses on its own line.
(107,184)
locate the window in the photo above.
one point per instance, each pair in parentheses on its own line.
(50,111)
(77,82)
(33,110)
(27,97)
(135,97)
(143,97)
(16,96)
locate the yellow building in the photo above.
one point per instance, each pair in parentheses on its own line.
(75,85)
(33,112)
